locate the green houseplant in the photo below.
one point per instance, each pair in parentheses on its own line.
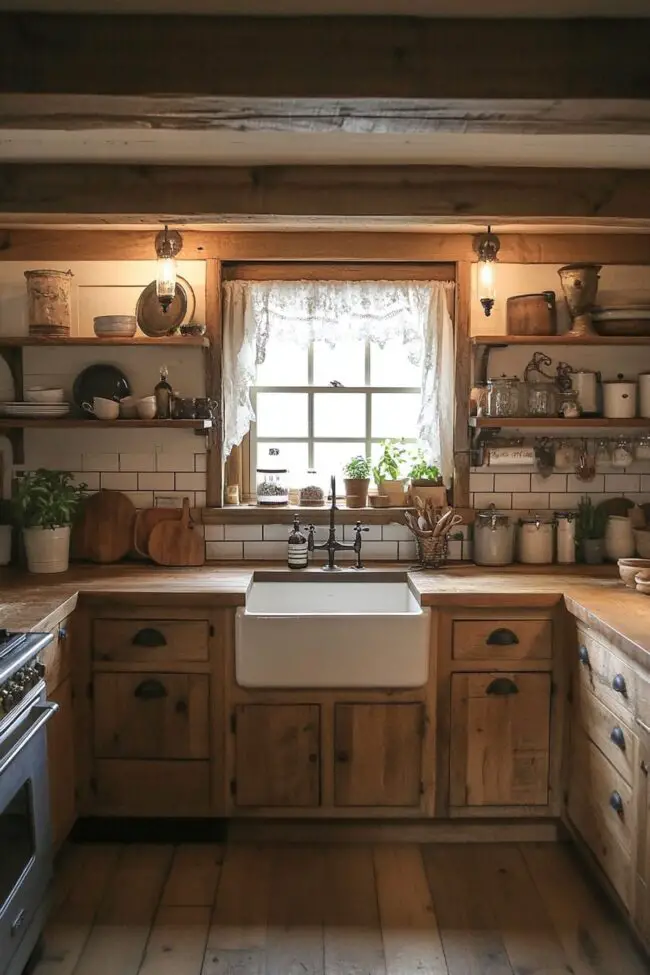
(388,471)
(45,504)
(356,476)
(426,481)
(590,532)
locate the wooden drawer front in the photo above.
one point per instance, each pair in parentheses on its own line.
(139,788)
(608,833)
(609,733)
(151,715)
(500,746)
(56,658)
(503,640)
(150,641)
(607,676)
(643,704)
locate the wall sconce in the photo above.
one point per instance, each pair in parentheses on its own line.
(487,247)
(168,244)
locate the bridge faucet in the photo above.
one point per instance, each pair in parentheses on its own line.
(332,545)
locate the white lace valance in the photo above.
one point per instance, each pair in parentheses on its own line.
(413,312)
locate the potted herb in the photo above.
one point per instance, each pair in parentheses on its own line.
(426,482)
(590,532)
(356,475)
(387,472)
(46,503)
(6,524)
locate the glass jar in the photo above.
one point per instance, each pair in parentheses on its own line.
(504,396)
(603,453)
(540,399)
(565,455)
(567,404)
(622,455)
(478,399)
(494,538)
(642,451)
(536,540)
(565,537)
(272,480)
(312,492)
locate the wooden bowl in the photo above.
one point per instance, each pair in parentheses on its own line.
(379,501)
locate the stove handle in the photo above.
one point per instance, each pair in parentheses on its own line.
(44,712)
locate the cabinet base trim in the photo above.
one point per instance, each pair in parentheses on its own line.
(441,831)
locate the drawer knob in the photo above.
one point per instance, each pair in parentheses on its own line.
(149,637)
(342,756)
(150,690)
(619,685)
(313,757)
(644,766)
(616,803)
(617,736)
(503,637)
(502,687)
(583,653)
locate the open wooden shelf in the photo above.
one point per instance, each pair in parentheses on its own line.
(8,423)
(21,341)
(594,340)
(555,422)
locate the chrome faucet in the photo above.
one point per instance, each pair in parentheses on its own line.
(332,545)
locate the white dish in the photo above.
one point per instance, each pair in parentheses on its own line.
(44,394)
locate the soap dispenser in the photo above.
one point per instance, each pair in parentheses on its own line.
(297,553)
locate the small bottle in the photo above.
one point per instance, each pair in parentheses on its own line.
(163,394)
(297,553)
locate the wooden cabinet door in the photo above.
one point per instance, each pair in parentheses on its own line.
(643,851)
(151,716)
(500,744)
(61,767)
(277,755)
(378,754)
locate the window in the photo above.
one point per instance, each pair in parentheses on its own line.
(321,405)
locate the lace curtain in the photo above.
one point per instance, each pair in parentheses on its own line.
(300,312)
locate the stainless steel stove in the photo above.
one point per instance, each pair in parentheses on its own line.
(25,841)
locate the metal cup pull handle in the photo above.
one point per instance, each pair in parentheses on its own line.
(503,637)
(150,690)
(616,803)
(149,637)
(617,737)
(502,687)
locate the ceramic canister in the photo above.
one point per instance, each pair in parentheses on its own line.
(619,538)
(586,386)
(619,397)
(644,394)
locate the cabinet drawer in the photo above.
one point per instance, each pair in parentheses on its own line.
(607,676)
(150,641)
(139,788)
(503,640)
(151,715)
(56,658)
(609,733)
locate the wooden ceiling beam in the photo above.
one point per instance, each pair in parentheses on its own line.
(181,194)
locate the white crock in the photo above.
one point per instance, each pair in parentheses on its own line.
(619,538)
(48,549)
(619,399)
(5,544)
(644,394)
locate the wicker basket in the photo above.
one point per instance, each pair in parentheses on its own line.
(432,552)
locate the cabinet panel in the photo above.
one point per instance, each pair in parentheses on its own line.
(56,658)
(643,862)
(500,746)
(61,767)
(503,640)
(607,676)
(277,755)
(611,734)
(378,754)
(151,715)
(150,641)
(146,788)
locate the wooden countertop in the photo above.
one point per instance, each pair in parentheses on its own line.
(597,597)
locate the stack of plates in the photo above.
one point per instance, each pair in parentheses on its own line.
(115,325)
(622,319)
(35,411)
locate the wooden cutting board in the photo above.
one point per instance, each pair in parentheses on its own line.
(177,542)
(104,530)
(145,521)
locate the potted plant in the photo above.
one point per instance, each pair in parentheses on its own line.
(6,524)
(387,470)
(46,503)
(590,532)
(356,475)
(426,482)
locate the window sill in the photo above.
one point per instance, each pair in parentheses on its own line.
(253,514)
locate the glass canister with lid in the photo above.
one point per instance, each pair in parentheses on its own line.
(272,479)
(565,537)
(536,540)
(494,538)
(504,396)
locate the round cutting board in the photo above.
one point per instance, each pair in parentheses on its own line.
(104,532)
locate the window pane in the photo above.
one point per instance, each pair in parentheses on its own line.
(344,363)
(339,414)
(281,414)
(390,366)
(294,456)
(395,414)
(329,459)
(285,364)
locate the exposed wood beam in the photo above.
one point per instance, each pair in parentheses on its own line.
(179,193)
(334,57)
(324,246)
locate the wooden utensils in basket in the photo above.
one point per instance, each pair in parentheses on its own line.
(431,529)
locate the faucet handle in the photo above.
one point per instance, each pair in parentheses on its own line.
(310,538)
(359,528)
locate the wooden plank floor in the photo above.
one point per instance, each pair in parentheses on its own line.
(498,909)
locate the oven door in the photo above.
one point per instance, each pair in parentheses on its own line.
(25,844)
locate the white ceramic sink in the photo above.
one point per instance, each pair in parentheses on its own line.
(346,631)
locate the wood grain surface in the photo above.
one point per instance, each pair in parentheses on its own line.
(104,530)
(177,542)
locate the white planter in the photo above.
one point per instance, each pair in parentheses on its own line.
(5,544)
(48,549)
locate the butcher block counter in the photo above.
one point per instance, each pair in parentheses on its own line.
(597,597)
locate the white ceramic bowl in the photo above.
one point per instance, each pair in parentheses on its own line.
(129,407)
(116,325)
(44,394)
(628,568)
(147,408)
(103,409)
(642,542)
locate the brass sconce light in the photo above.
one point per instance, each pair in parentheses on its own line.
(168,244)
(487,247)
